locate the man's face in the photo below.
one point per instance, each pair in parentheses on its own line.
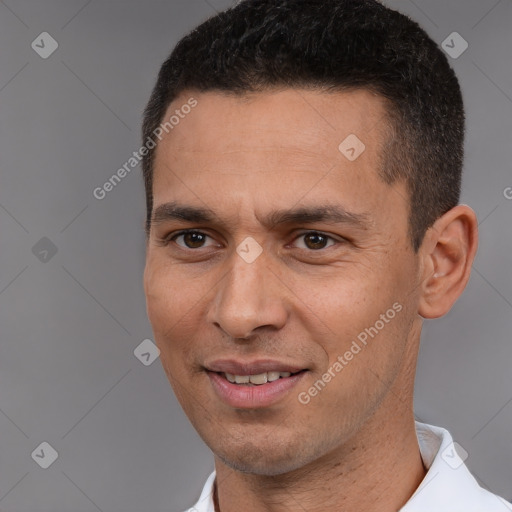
(300,303)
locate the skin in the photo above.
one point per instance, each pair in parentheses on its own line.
(303,300)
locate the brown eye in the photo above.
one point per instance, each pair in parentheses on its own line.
(191,239)
(314,240)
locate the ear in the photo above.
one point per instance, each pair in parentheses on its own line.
(447,253)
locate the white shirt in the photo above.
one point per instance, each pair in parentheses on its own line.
(448,485)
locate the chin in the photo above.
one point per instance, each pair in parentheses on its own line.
(263,458)
(263,466)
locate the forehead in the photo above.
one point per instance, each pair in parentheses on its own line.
(311,122)
(273,146)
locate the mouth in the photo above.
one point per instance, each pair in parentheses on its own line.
(251,390)
(258,379)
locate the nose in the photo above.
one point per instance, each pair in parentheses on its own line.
(248,297)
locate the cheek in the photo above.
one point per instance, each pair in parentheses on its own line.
(354,318)
(339,307)
(170,307)
(168,296)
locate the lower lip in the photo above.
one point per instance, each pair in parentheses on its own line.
(253,397)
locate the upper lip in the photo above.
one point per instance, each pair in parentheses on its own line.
(255,367)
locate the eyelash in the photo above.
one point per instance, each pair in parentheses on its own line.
(168,239)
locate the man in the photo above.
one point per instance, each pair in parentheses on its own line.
(302,183)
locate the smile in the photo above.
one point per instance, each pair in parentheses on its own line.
(254,391)
(257,380)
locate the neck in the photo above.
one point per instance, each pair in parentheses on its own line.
(377,470)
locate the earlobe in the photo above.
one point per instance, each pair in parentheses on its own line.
(448,252)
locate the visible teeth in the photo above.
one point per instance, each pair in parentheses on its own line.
(261,378)
(272,376)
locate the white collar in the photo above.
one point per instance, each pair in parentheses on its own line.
(448,485)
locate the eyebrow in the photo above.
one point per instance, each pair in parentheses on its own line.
(332,214)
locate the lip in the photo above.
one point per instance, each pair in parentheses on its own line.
(257,396)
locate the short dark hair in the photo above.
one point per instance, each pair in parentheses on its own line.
(333,45)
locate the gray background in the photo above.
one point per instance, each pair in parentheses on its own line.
(70,323)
